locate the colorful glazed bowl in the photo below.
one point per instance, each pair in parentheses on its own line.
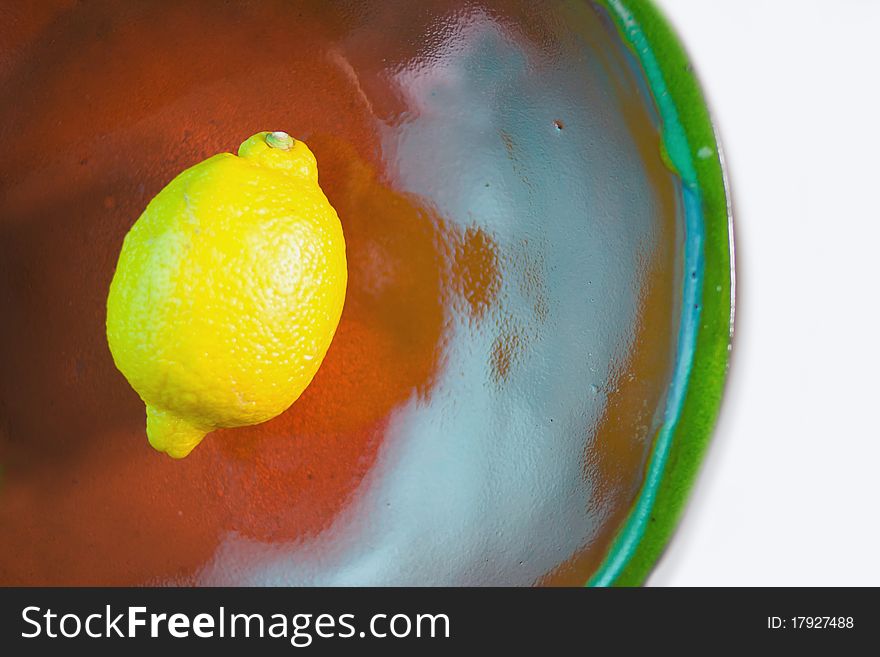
(538,319)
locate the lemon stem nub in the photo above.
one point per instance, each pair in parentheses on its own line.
(280,140)
(170,434)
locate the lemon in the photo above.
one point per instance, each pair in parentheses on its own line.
(227,292)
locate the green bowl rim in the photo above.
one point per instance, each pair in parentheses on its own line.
(692,149)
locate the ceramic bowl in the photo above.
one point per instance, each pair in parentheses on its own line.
(538,317)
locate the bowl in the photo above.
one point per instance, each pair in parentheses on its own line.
(538,319)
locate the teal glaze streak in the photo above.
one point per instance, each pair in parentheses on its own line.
(679,153)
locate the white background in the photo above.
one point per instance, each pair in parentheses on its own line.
(789,492)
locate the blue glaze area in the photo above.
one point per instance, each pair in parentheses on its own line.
(519,468)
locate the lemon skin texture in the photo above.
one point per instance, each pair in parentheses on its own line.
(227,292)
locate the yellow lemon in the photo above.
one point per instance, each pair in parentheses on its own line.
(228,291)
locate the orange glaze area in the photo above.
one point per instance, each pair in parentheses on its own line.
(108,107)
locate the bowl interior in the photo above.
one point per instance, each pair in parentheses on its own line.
(515,243)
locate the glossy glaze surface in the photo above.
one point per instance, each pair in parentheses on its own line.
(487,408)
